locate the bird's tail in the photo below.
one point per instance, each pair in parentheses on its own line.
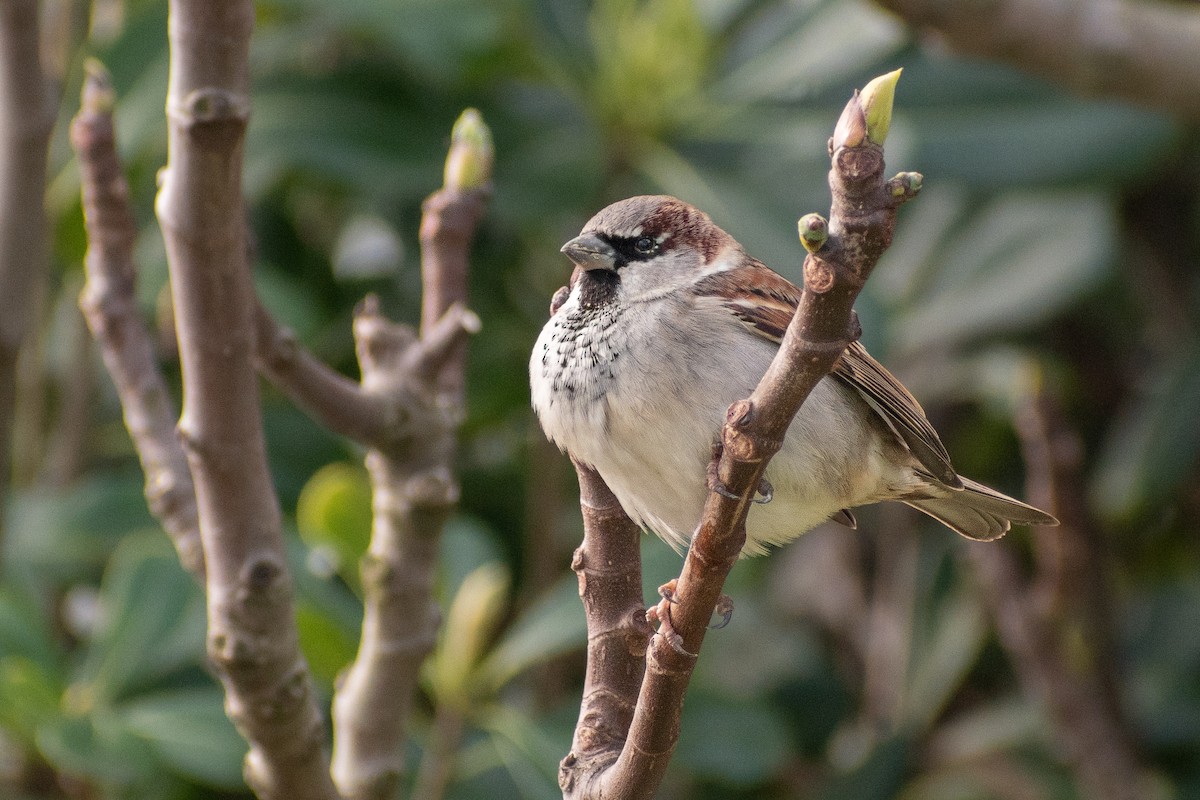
(978,512)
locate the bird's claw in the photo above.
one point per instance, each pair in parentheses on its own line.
(765,491)
(660,614)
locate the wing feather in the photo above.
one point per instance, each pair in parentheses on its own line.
(765,302)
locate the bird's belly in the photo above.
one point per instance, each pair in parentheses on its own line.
(649,433)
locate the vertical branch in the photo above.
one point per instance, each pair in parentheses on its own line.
(110,307)
(252,637)
(414,488)
(1042,619)
(609,566)
(26,119)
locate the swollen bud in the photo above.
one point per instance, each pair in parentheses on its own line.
(868,115)
(877,97)
(814,232)
(469,163)
(98,94)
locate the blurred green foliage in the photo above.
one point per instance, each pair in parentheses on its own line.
(1054,244)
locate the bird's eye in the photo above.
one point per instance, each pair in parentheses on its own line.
(645,245)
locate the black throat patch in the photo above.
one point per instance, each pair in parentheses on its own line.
(597,288)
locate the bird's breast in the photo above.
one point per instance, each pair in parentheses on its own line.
(575,366)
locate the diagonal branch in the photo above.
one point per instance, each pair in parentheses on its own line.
(110,306)
(860,226)
(1147,53)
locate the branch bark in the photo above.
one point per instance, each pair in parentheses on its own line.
(860,228)
(1043,618)
(416,386)
(252,637)
(26,120)
(397,411)
(110,306)
(1147,53)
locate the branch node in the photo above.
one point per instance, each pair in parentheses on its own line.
(819,275)
(211,106)
(858,164)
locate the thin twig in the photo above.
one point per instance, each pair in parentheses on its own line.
(860,228)
(1147,53)
(110,307)
(252,638)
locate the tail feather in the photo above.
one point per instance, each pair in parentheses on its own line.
(979,512)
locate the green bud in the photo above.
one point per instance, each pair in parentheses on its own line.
(877,98)
(471,623)
(814,232)
(469,163)
(98,94)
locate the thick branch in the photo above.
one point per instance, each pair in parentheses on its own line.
(609,566)
(26,119)
(1147,53)
(252,636)
(860,228)
(109,304)
(1042,619)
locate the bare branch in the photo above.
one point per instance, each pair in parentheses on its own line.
(323,393)
(26,119)
(609,566)
(859,230)
(418,383)
(1147,53)
(1041,619)
(252,637)
(110,307)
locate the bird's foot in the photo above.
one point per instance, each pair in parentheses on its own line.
(765,491)
(660,614)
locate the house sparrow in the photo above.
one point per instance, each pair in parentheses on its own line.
(667,322)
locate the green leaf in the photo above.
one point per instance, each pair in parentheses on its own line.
(467,544)
(97,747)
(468,630)
(942,660)
(24,630)
(1154,442)
(189,732)
(1015,262)
(878,777)
(69,536)
(154,620)
(327,646)
(334,512)
(29,697)
(553,625)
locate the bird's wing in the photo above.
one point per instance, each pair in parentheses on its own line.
(765,302)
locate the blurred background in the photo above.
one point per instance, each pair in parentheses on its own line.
(1041,299)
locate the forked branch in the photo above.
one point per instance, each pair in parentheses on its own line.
(604,762)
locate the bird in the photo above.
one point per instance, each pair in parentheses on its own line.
(666,322)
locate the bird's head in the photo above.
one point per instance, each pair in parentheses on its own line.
(648,246)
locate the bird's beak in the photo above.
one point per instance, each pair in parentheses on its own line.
(591,252)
